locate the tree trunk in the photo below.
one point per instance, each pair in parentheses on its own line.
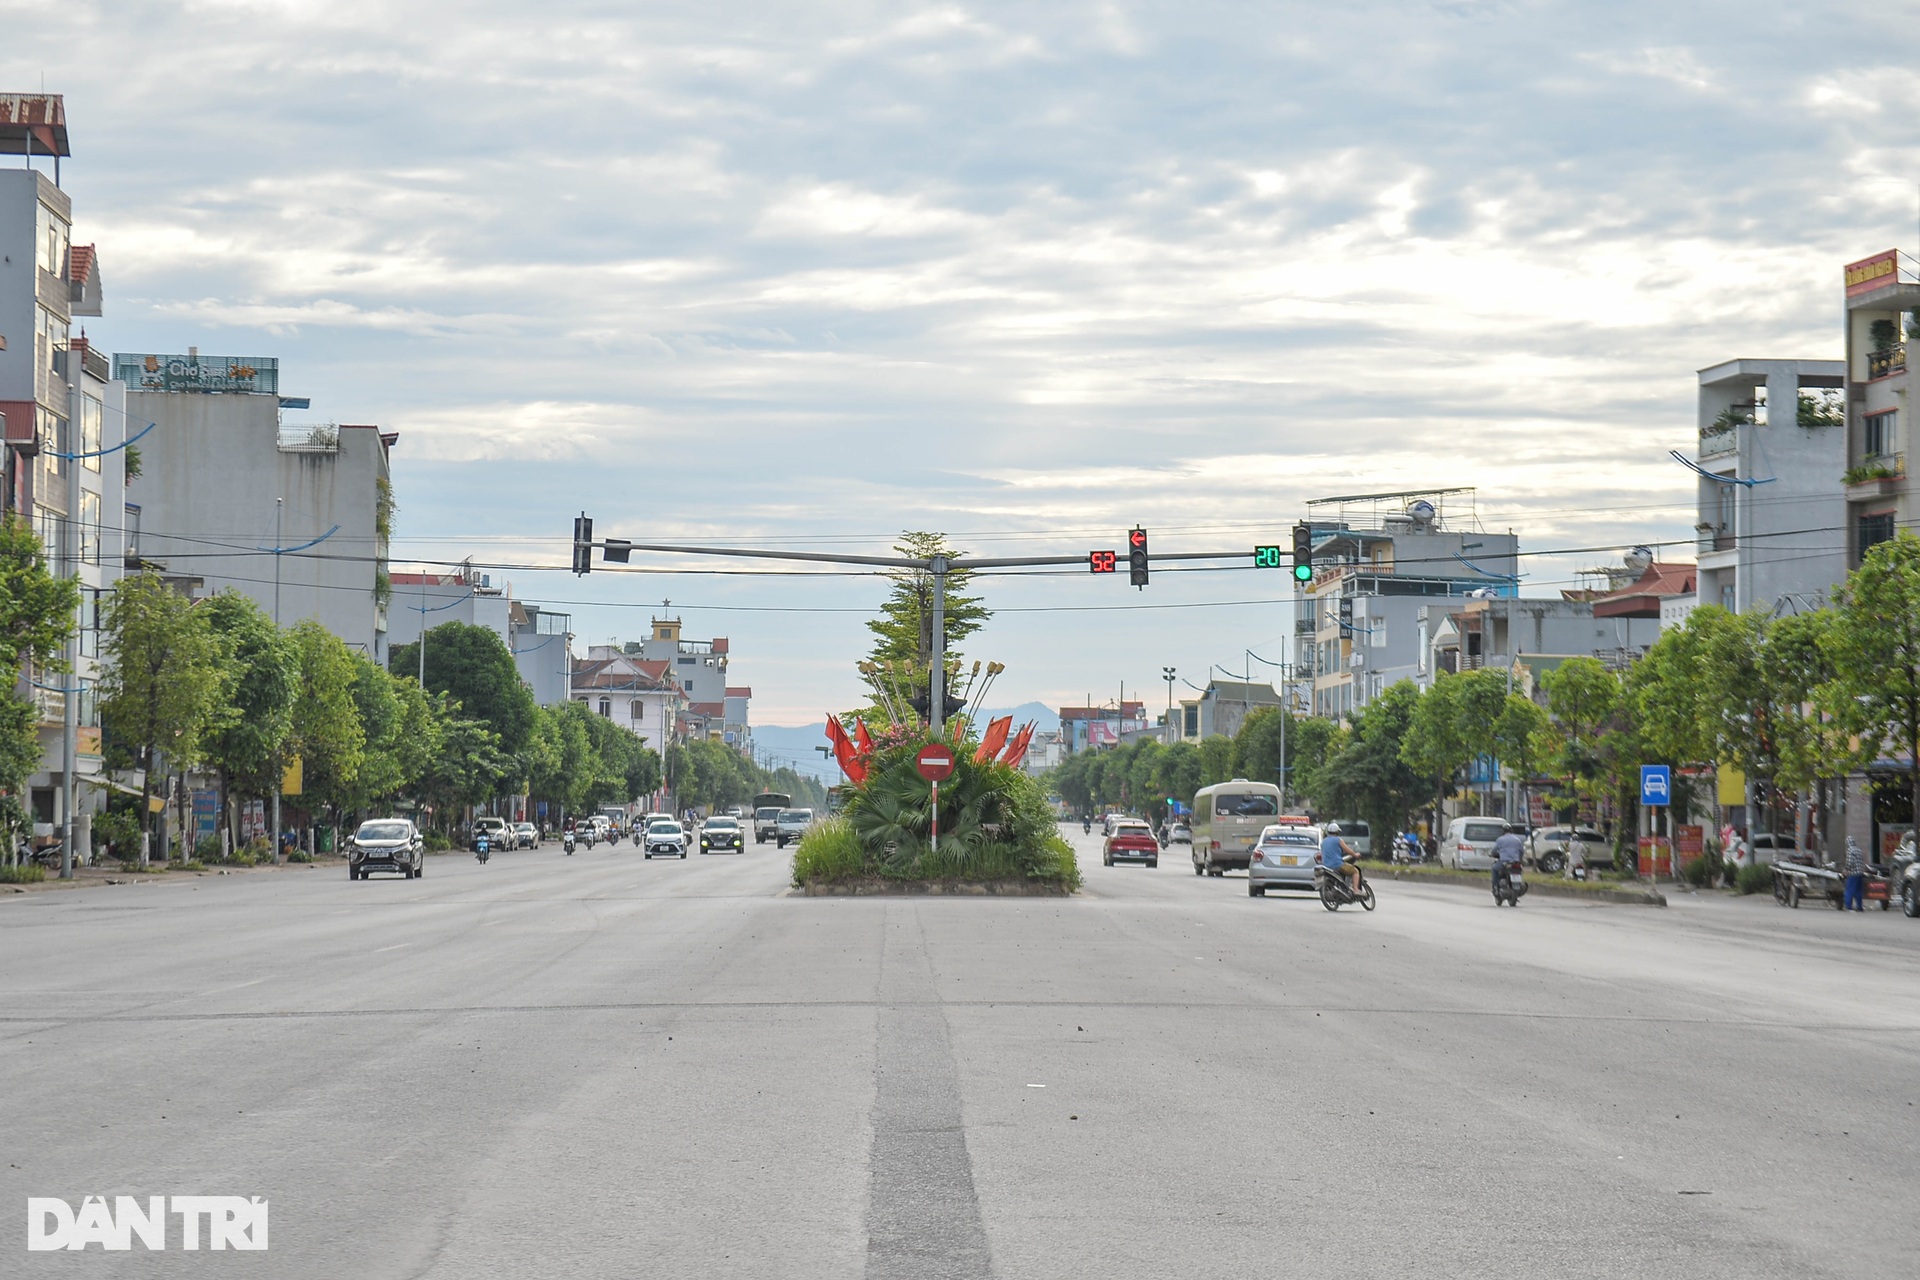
(146,805)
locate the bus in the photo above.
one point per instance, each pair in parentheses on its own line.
(1227,820)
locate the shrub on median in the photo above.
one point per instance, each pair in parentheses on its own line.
(1755,878)
(25,873)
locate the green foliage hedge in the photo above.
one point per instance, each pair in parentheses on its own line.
(1755,878)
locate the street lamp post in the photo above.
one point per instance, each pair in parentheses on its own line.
(1167,674)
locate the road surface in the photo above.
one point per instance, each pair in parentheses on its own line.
(595,1066)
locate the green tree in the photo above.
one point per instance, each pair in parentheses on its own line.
(1216,760)
(327,735)
(36,621)
(1177,772)
(1456,722)
(1369,774)
(1583,700)
(903,633)
(468,767)
(1874,646)
(164,685)
(472,664)
(246,744)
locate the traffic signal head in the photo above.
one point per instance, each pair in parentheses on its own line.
(582,544)
(1303,552)
(1137,557)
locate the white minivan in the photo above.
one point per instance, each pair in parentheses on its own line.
(1468,845)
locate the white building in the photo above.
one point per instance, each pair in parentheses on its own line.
(297,516)
(542,644)
(1883,318)
(62,413)
(637,693)
(1772,447)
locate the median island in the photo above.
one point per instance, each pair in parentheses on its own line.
(996,833)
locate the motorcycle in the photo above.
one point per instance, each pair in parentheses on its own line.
(1407,850)
(1086,826)
(1510,886)
(480,849)
(1336,893)
(566,842)
(613,835)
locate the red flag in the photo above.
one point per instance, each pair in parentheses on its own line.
(843,752)
(861,739)
(993,739)
(1018,750)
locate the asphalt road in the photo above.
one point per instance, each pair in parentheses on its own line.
(595,1066)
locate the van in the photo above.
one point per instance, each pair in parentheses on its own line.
(1357,834)
(1468,845)
(1228,818)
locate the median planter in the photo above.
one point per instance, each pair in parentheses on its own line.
(996,836)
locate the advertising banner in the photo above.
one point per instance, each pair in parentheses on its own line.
(1877,272)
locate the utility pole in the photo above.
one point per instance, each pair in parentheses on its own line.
(1167,674)
(937,690)
(279,506)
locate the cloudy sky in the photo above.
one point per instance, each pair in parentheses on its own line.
(817,272)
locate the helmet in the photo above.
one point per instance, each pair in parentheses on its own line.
(1333,828)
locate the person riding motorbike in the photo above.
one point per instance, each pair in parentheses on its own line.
(1334,856)
(1086,826)
(1509,851)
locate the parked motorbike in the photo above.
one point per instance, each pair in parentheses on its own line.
(1336,893)
(1407,850)
(1510,885)
(480,850)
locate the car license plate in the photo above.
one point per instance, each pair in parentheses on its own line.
(1289,861)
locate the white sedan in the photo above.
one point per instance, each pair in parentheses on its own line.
(666,838)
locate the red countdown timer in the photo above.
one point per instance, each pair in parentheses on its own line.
(1102,561)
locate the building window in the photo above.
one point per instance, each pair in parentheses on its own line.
(1726,598)
(90,420)
(89,529)
(1879,434)
(606,707)
(133,532)
(638,710)
(1875,529)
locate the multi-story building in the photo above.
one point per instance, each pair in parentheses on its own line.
(1380,560)
(1883,318)
(1496,633)
(422,601)
(1772,447)
(699,666)
(638,694)
(64,420)
(296,515)
(542,644)
(1226,704)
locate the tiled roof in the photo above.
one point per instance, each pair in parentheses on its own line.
(1642,599)
(739,691)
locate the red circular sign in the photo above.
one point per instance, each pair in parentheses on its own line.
(934,761)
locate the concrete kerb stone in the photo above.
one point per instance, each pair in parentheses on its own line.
(870,886)
(1639,896)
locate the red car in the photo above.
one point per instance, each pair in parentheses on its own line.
(1131,842)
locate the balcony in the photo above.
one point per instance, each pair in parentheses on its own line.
(1884,364)
(1718,443)
(1879,476)
(1713,538)
(321,437)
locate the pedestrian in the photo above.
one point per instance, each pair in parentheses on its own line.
(1856,873)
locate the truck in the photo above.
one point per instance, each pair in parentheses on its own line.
(766,815)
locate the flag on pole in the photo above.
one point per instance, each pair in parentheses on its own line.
(993,739)
(843,752)
(862,739)
(1017,751)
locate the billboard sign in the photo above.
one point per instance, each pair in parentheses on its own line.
(1877,272)
(195,372)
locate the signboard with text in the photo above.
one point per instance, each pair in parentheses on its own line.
(1877,272)
(194,372)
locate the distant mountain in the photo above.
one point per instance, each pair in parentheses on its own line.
(793,745)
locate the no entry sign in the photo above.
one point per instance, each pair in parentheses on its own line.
(934,761)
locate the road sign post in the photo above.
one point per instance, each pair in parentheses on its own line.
(935,763)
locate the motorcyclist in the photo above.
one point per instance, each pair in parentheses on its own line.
(1335,854)
(1508,853)
(1086,826)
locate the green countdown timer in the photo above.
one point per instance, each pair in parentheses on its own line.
(1266,557)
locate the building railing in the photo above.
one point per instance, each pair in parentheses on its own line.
(1715,444)
(1715,539)
(1883,364)
(1878,466)
(318,438)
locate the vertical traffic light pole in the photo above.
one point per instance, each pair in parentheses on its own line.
(937,677)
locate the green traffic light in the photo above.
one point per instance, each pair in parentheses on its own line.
(1303,573)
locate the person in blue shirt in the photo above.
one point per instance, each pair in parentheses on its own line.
(1508,851)
(1334,853)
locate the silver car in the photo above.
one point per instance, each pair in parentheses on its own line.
(666,838)
(1284,859)
(1552,849)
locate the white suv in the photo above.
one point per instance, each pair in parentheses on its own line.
(792,825)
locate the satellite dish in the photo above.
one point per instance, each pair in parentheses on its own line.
(1639,558)
(1422,512)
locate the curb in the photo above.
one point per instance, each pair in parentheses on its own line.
(934,888)
(1631,897)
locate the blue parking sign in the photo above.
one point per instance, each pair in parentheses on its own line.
(1656,784)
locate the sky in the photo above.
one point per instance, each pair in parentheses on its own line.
(806,275)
